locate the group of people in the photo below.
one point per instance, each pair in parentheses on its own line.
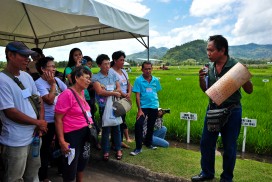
(67,111)
(68,106)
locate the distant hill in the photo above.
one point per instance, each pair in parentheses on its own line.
(251,51)
(197,50)
(154,53)
(192,50)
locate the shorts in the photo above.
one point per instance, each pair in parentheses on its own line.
(77,140)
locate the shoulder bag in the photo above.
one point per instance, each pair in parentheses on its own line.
(93,139)
(217,118)
(123,105)
(33,99)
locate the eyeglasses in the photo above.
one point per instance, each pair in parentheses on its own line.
(87,78)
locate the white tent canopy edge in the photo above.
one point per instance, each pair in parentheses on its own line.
(52,23)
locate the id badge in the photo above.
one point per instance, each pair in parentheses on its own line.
(149,90)
(26,93)
(110,87)
(124,82)
(89,114)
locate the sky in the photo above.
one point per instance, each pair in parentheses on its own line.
(175,22)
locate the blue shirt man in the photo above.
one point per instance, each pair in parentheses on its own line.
(146,87)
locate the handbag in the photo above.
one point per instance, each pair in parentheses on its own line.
(217,118)
(109,118)
(92,136)
(121,106)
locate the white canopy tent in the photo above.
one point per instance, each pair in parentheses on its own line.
(52,23)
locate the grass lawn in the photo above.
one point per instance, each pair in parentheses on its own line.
(186,163)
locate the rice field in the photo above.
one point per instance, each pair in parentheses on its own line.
(181,93)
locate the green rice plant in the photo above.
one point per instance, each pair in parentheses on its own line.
(181,93)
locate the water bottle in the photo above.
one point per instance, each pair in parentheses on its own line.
(57,153)
(36,146)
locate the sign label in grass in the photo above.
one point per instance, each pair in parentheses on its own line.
(188,116)
(247,122)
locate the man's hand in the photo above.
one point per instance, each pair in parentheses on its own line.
(42,125)
(139,114)
(202,73)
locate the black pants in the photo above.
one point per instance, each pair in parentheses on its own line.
(152,116)
(46,151)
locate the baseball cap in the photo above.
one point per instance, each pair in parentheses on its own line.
(20,47)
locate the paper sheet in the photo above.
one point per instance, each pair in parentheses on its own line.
(228,84)
(70,155)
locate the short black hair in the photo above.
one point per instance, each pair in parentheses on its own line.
(88,58)
(100,58)
(38,50)
(42,63)
(116,55)
(146,62)
(220,42)
(78,72)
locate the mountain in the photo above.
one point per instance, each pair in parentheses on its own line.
(192,50)
(251,51)
(197,50)
(154,53)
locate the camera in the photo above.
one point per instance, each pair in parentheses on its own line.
(166,111)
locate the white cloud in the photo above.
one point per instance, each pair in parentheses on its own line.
(181,35)
(254,22)
(93,49)
(210,7)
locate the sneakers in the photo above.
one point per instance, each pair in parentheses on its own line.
(136,152)
(151,147)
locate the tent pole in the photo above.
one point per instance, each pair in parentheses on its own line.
(31,25)
(148,48)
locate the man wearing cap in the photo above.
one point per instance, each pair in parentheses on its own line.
(18,117)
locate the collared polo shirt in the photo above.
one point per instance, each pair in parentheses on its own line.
(148,91)
(213,77)
(106,81)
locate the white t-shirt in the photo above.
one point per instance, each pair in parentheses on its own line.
(12,96)
(44,88)
(122,79)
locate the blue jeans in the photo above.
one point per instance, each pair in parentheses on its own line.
(152,116)
(229,134)
(116,134)
(158,137)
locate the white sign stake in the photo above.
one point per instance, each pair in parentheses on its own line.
(247,123)
(188,116)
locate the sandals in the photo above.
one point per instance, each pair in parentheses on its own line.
(106,156)
(119,156)
(123,145)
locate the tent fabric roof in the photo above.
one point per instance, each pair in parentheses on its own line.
(52,23)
